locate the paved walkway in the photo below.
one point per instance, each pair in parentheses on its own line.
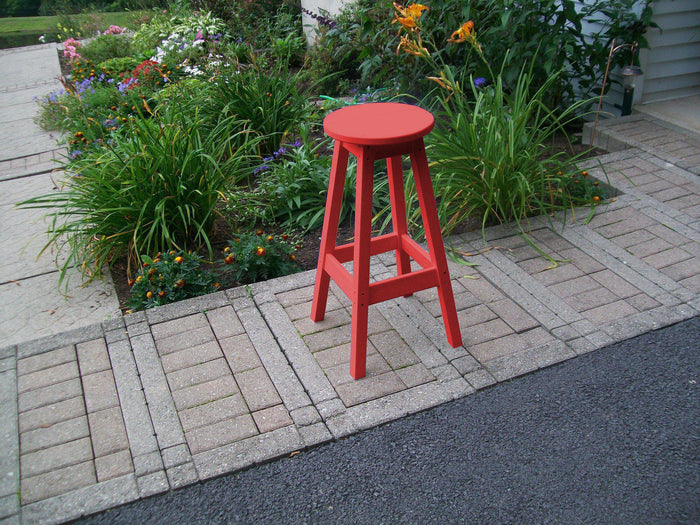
(120,409)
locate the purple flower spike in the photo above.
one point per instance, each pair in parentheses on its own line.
(479,82)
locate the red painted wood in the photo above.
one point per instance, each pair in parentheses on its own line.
(331,218)
(371,132)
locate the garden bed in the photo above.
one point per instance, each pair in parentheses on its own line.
(217,126)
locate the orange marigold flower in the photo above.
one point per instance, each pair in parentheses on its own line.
(463,33)
(149,294)
(151,271)
(131,282)
(270,238)
(292,257)
(228,259)
(161,293)
(216,286)
(285,236)
(179,283)
(259,233)
(596,198)
(227,249)
(260,251)
(178,260)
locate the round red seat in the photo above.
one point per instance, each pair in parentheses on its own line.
(378,123)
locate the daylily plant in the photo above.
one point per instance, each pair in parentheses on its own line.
(411,42)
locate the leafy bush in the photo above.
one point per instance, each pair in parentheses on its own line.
(490,159)
(169,277)
(182,22)
(154,185)
(106,46)
(256,257)
(268,100)
(115,67)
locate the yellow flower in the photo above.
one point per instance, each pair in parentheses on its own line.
(178,260)
(260,251)
(463,33)
(149,294)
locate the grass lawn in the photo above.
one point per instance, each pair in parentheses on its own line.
(43,24)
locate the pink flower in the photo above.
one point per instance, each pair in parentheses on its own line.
(114,30)
(199,35)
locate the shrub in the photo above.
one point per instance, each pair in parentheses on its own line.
(169,277)
(267,99)
(119,65)
(256,257)
(154,185)
(361,48)
(490,156)
(106,46)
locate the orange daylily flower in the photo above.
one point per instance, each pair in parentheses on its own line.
(408,16)
(463,33)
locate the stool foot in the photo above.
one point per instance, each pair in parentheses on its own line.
(358,345)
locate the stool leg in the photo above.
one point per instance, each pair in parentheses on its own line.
(360,264)
(336,183)
(433,235)
(398,212)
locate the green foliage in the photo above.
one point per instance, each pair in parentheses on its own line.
(169,277)
(182,22)
(256,257)
(490,157)
(295,184)
(268,100)
(154,185)
(105,47)
(115,67)
(361,48)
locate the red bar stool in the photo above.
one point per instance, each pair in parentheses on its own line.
(370,132)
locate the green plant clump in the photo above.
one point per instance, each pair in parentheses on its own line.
(169,277)
(256,257)
(154,185)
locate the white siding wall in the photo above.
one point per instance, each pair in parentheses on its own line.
(672,63)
